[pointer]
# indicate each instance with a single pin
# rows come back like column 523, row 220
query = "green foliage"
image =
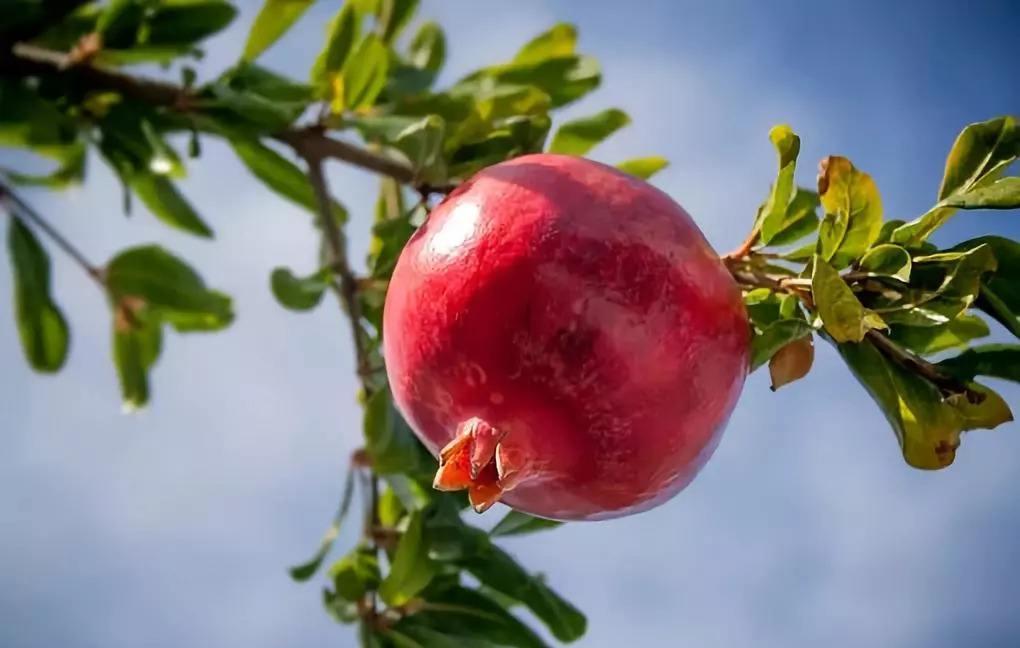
column 41, row 324
column 420, row 575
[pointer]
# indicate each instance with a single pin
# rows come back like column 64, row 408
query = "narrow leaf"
column 579, row 136
column 517, row 523
column 41, row 325
column 272, row 22
column 341, row 35
column 787, row 145
column 411, row 569
column 364, row 73
column 307, row 569
column 645, row 167
column 166, row 203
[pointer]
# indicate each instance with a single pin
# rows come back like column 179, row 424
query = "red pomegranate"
column 563, row 338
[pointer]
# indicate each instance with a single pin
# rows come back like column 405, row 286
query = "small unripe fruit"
column 562, row 336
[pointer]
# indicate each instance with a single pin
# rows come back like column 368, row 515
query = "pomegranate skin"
column 581, row 313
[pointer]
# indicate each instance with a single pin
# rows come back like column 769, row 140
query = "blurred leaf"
column 41, row 325
column 389, row 441
column 188, row 21
column 393, row 16
column 927, row 427
column 281, row 175
column 645, row 167
column 71, row 170
column 993, row 360
column 763, row 307
column 558, row 41
column 775, row 337
column 1001, row 194
column 564, row 79
column 791, row 362
column 988, row 414
column 428, row 48
column 364, row 75
column 30, row 121
column 388, row 240
column 341, row 34
column 137, row 343
column 842, row 314
column 517, row 523
column 773, row 215
column 356, row 574
column 419, row 140
column 579, row 136
column 164, row 160
column 800, row 219
column 925, row 340
column 980, row 155
column 512, row 137
column 887, row 260
column 272, row 22
column 167, row 204
column 120, row 21
column 496, row 569
column 853, row 211
column 411, row 568
column 307, row 569
column 298, row 293
column 168, row 286
column 464, row 617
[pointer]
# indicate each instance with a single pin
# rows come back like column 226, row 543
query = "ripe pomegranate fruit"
column 563, row 338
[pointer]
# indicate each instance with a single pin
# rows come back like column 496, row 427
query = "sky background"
column 174, row 527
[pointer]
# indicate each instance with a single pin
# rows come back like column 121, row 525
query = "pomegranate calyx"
column 476, row 460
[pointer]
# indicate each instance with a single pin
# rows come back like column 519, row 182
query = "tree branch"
column 31, row 60
column 21, row 210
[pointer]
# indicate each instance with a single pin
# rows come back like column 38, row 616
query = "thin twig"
column 947, row 384
column 24, row 212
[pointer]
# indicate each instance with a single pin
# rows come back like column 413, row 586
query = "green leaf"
column 388, row 240
column 853, row 211
column 298, row 293
column 497, row 570
column 993, row 360
column 164, row 160
column 136, row 347
column 800, row 219
column 71, row 169
column 517, row 523
column 178, row 22
column 252, row 100
column 393, row 16
column 925, row 340
column 773, row 216
column 167, row 204
column 563, row 79
column 168, row 286
column 842, row 314
column 364, row 75
column 1001, row 194
column 272, row 22
column 390, row 442
column 645, row 167
column 341, row 34
column 774, row 337
column 41, row 325
column 411, row 568
column 887, row 260
column 559, row 41
column 980, row 155
column 465, row 617
column 418, row 140
column 579, row 136
column 307, row 569
column 927, row 428
column 281, row 175
column 356, row 574
column 120, row 21
column 428, row 48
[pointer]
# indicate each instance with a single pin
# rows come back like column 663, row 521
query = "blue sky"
column 173, row 527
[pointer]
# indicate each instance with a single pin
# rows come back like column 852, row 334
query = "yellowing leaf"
column 792, row 362
column 853, row 211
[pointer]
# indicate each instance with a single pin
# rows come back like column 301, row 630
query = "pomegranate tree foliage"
column 819, row 262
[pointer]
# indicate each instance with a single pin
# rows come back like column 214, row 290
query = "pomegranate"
column 563, row 338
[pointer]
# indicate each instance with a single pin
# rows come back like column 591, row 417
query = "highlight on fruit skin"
column 563, row 338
